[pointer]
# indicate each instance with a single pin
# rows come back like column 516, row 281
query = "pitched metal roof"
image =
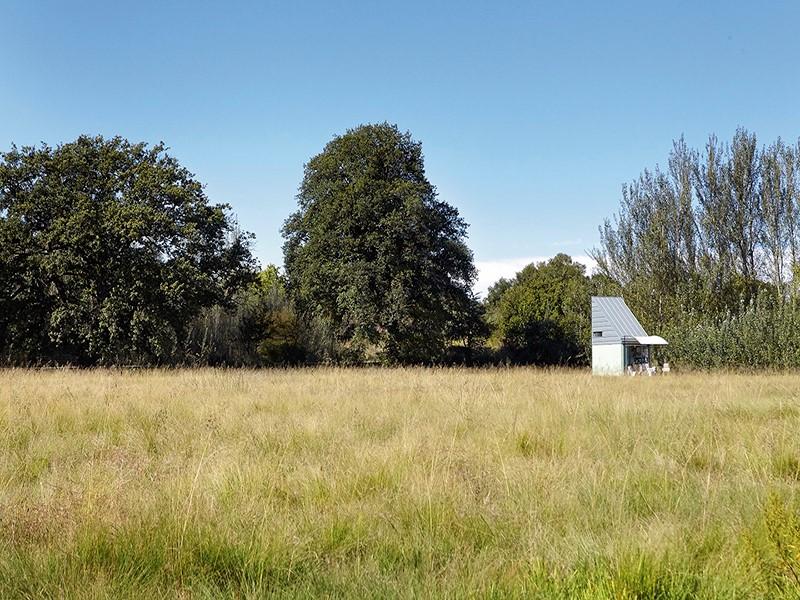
column 619, row 315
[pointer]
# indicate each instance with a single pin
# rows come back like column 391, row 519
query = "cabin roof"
column 611, row 314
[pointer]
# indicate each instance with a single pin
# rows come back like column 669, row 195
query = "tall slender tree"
column 707, row 236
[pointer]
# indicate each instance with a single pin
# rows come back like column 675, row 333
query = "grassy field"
column 381, row 483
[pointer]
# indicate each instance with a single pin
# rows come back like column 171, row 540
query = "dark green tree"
column 543, row 316
column 260, row 328
column 108, row 250
column 374, row 253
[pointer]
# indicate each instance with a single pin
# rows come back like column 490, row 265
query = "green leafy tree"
column 708, row 233
column 259, row 328
column 374, row 254
column 285, row 339
column 543, row 316
column 108, row 250
column 491, row 303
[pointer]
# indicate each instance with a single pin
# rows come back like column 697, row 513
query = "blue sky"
column 531, row 114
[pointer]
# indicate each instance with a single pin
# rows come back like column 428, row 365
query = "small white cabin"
column 619, row 342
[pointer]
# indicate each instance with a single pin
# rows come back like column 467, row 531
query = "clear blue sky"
column 531, row 114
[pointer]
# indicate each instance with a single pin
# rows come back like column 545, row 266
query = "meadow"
column 398, row 483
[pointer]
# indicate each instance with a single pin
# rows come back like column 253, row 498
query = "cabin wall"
column 608, row 359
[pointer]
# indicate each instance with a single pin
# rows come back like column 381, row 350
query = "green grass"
column 398, row 483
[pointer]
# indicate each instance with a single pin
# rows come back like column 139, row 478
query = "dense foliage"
column 375, row 255
column 542, row 316
column 760, row 335
column 706, row 252
column 261, row 327
column 107, row 251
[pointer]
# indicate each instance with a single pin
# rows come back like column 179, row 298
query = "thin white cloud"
column 567, row 243
column 490, row 271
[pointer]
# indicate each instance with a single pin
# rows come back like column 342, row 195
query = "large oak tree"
column 107, row 251
column 374, row 254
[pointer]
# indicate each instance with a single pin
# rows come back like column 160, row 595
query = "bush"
column 762, row 334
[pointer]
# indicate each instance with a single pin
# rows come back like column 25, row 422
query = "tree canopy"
column 374, row 253
column 108, row 250
column 542, row 316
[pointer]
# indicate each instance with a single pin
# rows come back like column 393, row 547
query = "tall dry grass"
column 406, row 482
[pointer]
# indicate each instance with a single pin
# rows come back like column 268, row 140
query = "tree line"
column 706, row 252
column 112, row 254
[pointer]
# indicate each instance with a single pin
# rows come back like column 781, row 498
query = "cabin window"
column 597, row 334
